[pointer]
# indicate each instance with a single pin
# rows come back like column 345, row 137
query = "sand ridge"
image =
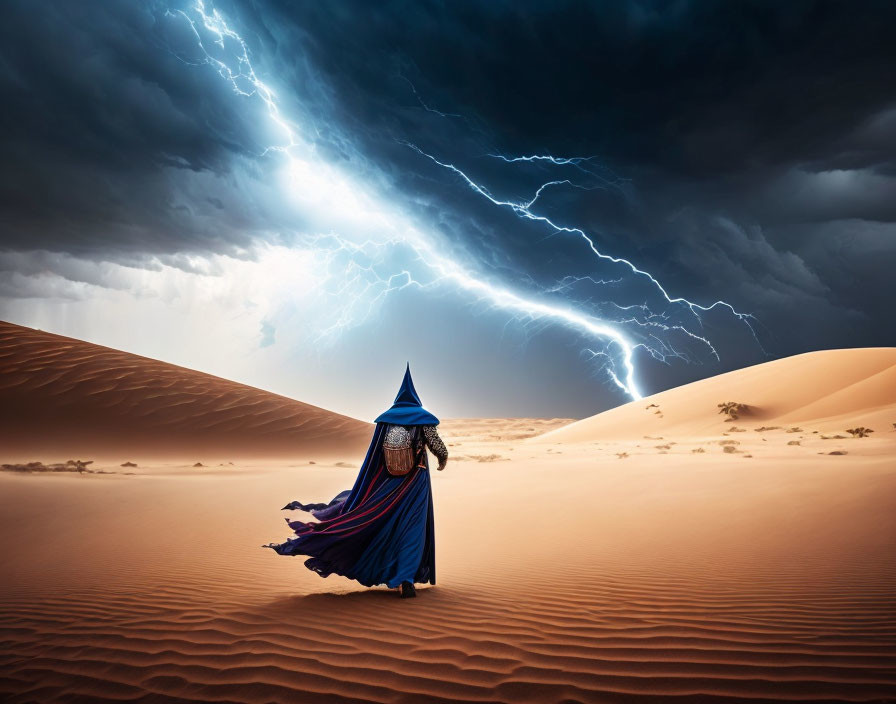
column 830, row 390
column 63, row 399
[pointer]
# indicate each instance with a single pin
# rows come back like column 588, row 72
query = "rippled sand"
column 582, row 565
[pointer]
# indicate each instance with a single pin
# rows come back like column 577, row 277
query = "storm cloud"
column 744, row 152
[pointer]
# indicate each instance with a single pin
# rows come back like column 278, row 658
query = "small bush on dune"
column 732, row 409
column 79, row 466
column 859, row 432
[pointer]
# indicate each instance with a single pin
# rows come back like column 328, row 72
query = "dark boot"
column 408, row 591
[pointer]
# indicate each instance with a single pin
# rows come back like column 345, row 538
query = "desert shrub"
column 732, row 409
column 859, row 432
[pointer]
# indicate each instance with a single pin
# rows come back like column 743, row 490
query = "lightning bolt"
column 523, row 210
column 445, row 269
column 585, row 164
column 362, row 270
column 425, row 106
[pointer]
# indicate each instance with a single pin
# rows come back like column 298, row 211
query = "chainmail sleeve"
column 435, row 444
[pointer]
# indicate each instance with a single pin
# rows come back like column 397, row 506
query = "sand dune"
column 565, row 574
column 62, row 398
column 829, row 390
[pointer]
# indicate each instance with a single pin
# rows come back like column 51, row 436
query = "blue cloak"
column 381, row 531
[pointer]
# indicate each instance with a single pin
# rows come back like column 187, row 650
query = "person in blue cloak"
column 381, row 531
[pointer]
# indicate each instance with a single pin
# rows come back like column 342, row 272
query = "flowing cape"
column 381, row 531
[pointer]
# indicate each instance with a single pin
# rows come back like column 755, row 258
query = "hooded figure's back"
column 410, row 429
column 382, row 530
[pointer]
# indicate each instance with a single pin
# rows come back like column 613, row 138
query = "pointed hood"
column 407, row 408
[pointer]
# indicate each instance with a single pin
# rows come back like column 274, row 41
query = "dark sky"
column 743, row 152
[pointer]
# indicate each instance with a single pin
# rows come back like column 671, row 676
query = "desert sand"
column 831, row 390
column 62, row 396
column 576, row 562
